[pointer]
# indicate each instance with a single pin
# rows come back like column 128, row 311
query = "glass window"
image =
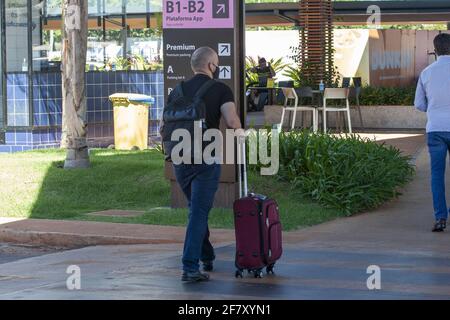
column 115, row 37
column 105, row 45
column 2, row 112
column 137, row 6
column 156, row 6
column 16, row 35
column 113, row 6
column 145, row 46
column 140, row 6
column 94, row 6
column 53, row 7
column 94, row 56
column 46, row 40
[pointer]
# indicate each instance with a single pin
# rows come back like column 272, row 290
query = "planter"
column 374, row 117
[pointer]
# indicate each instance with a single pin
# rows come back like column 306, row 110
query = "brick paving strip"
column 117, row 213
column 74, row 234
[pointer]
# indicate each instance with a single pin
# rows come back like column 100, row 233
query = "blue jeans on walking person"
column 199, row 183
column 439, row 146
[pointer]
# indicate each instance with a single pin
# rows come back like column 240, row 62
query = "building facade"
column 124, row 55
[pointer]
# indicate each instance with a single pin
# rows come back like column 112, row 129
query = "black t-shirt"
column 214, row 98
column 264, row 71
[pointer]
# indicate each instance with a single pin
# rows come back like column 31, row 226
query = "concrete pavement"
column 10, row 252
column 328, row 261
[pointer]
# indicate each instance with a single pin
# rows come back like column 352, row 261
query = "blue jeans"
column 199, row 184
column 263, row 96
column 439, row 146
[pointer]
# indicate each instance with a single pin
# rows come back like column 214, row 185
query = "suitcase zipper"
column 270, row 238
column 261, row 221
column 261, row 233
column 269, row 228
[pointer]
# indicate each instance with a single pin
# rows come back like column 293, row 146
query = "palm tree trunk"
column 74, row 128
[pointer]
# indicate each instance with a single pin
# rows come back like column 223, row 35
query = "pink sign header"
column 198, row 14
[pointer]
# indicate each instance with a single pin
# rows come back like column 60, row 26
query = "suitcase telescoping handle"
column 243, row 186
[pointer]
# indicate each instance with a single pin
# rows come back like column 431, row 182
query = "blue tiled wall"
column 47, row 96
column 100, row 85
column 47, row 105
column 22, row 140
column 37, row 136
column 47, row 99
column 17, row 99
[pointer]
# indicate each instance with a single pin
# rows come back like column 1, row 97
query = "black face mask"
column 216, row 73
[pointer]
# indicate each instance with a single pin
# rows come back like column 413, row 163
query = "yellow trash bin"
column 131, row 120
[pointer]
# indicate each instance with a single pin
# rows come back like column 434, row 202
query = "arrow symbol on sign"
column 221, row 8
column 224, row 49
column 225, row 71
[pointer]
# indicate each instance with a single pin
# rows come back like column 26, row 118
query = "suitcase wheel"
column 258, row 273
column 269, row 269
column 238, row 274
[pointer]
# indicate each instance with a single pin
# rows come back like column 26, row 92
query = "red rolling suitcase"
column 258, row 228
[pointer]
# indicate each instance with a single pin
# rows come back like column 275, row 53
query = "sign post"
column 187, row 26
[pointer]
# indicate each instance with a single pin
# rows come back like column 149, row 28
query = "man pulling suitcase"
column 257, row 226
column 199, row 99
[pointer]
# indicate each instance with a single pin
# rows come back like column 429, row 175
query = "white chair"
column 336, row 94
column 291, row 104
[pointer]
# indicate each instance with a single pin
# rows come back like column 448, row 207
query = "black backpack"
column 183, row 112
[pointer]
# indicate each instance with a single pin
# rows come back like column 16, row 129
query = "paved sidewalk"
column 409, row 143
column 402, row 225
column 10, row 252
column 328, row 261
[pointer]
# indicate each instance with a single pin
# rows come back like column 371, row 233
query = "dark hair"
column 262, row 60
column 442, row 44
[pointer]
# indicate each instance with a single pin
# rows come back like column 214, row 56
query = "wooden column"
column 316, row 40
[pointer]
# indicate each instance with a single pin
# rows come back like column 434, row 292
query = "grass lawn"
column 34, row 185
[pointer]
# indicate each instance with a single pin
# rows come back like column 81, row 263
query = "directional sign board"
column 225, row 72
column 198, row 14
column 224, row 49
column 191, row 24
column 219, row 24
column 221, row 9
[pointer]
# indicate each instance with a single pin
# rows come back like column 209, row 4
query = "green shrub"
column 348, row 173
column 383, row 96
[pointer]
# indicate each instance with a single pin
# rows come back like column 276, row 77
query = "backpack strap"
column 179, row 91
column 204, row 89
